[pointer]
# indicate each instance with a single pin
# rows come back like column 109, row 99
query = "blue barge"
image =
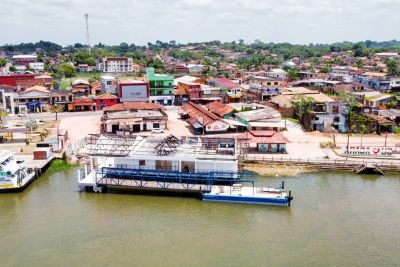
column 249, row 195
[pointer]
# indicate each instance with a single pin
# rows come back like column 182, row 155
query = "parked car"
column 158, row 130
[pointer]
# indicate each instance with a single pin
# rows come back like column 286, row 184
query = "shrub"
column 327, row 145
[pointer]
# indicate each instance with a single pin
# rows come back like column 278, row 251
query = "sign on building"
column 134, row 92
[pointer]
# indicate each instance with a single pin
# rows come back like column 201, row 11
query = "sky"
column 142, row 21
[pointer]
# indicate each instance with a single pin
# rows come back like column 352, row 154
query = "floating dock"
column 249, row 195
column 209, row 186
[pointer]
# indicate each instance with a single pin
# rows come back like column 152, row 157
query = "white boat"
column 14, row 176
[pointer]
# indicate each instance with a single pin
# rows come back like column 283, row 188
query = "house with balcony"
column 327, row 113
column 324, row 112
column 191, row 89
column 115, row 64
column 161, row 87
column 231, row 91
column 265, row 87
column 34, row 99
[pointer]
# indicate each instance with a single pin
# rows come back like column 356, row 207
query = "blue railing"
column 199, row 178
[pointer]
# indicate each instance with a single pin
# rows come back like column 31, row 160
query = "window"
column 122, row 166
column 156, row 125
column 142, row 162
column 109, row 82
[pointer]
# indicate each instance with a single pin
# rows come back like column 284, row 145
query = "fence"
column 333, row 162
column 74, row 147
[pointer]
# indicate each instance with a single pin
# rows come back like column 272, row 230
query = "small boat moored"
column 14, row 176
column 249, row 195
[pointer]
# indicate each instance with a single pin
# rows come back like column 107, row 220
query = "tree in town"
column 351, row 101
column 83, row 57
column 302, row 106
column 293, row 74
column 358, row 50
column 3, row 62
column 324, row 70
column 12, row 68
column 56, row 109
column 393, row 68
column 66, row 70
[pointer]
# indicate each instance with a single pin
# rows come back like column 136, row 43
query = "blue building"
column 374, row 80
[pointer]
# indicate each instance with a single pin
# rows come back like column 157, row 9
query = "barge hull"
column 247, row 200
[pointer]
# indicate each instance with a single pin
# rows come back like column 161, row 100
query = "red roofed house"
column 203, row 120
column 193, row 90
column 232, row 91
column 221, row 110
column 264, row 141
column 105, row 100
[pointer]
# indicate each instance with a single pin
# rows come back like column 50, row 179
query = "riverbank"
column 59, row 165
column 282, row 170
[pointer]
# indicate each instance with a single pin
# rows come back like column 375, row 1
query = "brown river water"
column 335, row 219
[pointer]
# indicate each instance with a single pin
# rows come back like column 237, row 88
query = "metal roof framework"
column 114, row 146
column 167, row 146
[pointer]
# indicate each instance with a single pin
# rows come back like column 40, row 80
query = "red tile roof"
column 134, row 106
column 37, row 88
column 263, row 137
column 197, row 112
column 219, row 108
column 106, row 96
column 226, row 83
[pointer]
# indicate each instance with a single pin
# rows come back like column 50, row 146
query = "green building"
column 161, row 87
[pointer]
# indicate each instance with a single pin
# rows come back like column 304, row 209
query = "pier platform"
column 210, row 186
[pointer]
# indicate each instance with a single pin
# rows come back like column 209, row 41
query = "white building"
column 277, row 73
column 109, row 84
column 8, row 99
column 36, row 66
column 115, row 64
column 191, row 154
column 195, row 68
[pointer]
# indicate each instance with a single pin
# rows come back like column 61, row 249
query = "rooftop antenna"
column 87, row 31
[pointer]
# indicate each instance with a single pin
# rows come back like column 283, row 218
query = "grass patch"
column 293, row 120
column 327, row 145
column 59, row 165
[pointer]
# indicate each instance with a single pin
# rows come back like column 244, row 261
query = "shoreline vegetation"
column 272, row 170
column 59, row 165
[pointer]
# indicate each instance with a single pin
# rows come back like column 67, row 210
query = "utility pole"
column 385, row 138
column 87, row 31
